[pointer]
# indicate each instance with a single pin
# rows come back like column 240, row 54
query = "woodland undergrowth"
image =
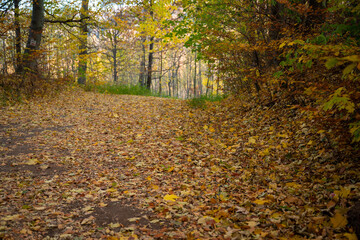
column 235, row 169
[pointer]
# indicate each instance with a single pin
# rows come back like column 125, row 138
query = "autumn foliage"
column 301, row 53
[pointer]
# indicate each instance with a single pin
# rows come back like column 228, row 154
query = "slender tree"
column 151, row 54
column 83, row 51
column 18, row 64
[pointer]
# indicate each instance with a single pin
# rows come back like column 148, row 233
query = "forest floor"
column 84, row 165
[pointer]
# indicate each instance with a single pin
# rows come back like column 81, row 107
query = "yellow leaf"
column 215, row 169
column 350, row 236
column 273, row 185
column 232, row 129
column 155, row 187
column 261, row 201
column 170, row 169
column 148, row 178
column 171, row 197
column 11, row 217
column 282, row 45
column 344, row 192
column 252, row 223
column 252, row 140
column 293, row 185
column 211, row 129
column 265, row 152
column 134, row 219
column 205, row 127
column 114, row 225
column 276, row 215
column 353, row 58
column 111, row 190
column 338, row 221
column 32, row 161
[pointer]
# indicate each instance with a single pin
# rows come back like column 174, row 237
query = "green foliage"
column 355, row 131
column 122, row 89
column 200, row 102
column 341, row 101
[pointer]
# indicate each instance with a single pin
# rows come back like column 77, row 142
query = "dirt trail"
column 95, row 166
column 73, row 165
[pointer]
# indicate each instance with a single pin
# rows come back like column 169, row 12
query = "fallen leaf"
column 32, row 161
column 88, row 220
column 339, row 220
column 261, row 201
column 11, row 217
column 134, row 219
column 171, row 197
column 115, row 225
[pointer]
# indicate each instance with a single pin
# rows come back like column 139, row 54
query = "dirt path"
column 72, row 166
column 91, row 166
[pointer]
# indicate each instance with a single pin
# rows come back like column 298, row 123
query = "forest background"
column 302, row 52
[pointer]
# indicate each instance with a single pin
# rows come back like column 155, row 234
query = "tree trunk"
column 200, row 79
column 4, row 69
column 18, row 64
column 161, row 66
column 151, row 56
column 83, row 42
column 142, row 63
column 31, row 52
column 114, row 58
column 195, row 76
column 151, row 47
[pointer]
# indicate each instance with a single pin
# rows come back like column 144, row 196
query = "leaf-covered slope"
column 105, row 166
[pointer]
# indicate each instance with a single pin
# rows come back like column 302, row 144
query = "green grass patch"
column 120, row 89
column 200, row 102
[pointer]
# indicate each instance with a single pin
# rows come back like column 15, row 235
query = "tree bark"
column 18, row 63
column 114, row 58
column 142, row 63
column 160, row 76
column 200, row 79
column 151, row 56
column 31, row 52
column 195, row 76
column 83, row 42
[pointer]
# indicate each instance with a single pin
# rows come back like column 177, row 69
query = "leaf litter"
column 132, row 167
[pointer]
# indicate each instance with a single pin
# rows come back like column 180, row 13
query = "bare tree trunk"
column 208, row 81
column 151, row 47
column 151, row 56
column 18, row 64
column 31, row 52
column 4, row 69
column 200, row 79
column 114, row 58
column 142, row 63
column 161, row 66
column 83, row 42
column 195, row 76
